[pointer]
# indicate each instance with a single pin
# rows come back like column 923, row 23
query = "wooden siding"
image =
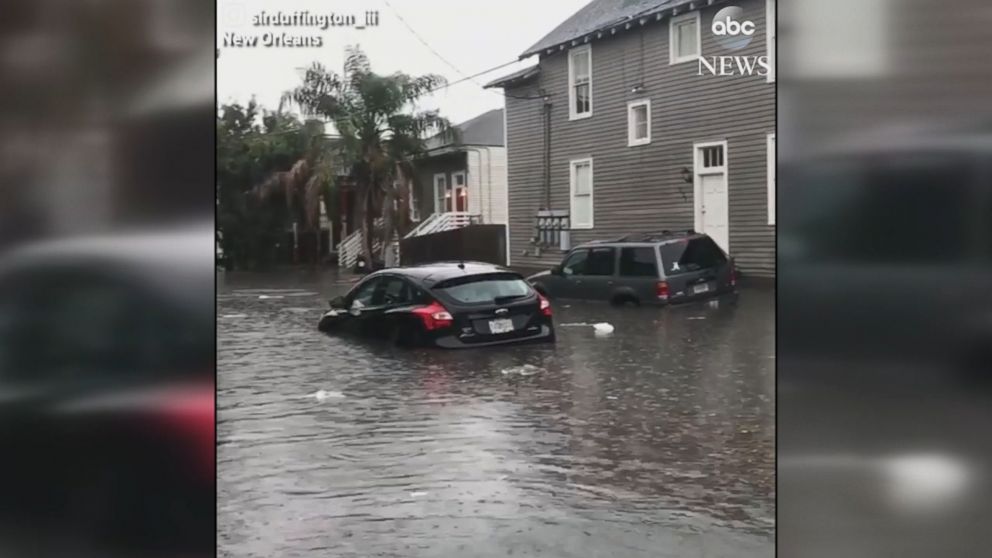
column 640, row 188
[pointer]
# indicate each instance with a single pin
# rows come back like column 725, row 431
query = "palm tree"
column 380, row 134
column 307, row 181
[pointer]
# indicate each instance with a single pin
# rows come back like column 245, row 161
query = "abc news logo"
column 733, row 31
column 732, row 27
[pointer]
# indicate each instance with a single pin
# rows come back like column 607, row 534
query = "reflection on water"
column 655, row 441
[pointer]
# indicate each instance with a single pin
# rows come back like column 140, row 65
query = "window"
column 826, row 43
column 601, row 261
column 581, row 193
column 575, row 263
column 638, row 262
column 363, row 294
column 711, row 157
column 487, row 288
column 580, row 82
column 771, row 179
column 684, row 39
column 638, row 122
column 394, row 291
column 442, row 194
column 771, row 34
column 684, row 256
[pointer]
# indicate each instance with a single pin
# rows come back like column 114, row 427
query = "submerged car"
column 448, row 305
column 651, row 269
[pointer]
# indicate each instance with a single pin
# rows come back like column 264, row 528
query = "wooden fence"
column 481, row 243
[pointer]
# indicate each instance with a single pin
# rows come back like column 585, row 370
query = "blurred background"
column 107, row 278
column 884, row 256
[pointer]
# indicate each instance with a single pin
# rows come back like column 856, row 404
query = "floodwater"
column 657, row 440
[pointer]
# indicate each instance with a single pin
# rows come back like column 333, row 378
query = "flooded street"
column 657, row 440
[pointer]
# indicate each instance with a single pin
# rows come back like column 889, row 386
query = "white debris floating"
column 603, row 328
column 525, row 370
column 323, row 395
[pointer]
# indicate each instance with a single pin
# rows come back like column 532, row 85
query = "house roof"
column 600, row 15
column 483, row 130
column 515, row 78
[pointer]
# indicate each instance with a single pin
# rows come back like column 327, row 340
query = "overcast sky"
column 473, row 35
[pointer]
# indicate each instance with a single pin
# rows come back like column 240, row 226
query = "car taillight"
column 545, row 305
column 434, row 316
column 190, row 414
column 661, row 289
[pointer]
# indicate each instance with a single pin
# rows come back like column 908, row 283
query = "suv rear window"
column 685, row 256
column 485, row 288
column 638, row 262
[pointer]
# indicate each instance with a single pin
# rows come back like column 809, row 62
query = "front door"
column 460, row 191
column 710, row 197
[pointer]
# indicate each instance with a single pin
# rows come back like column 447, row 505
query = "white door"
column 710, row 192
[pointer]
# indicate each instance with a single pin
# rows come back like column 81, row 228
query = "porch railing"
column 351, row 247
column 440, row 222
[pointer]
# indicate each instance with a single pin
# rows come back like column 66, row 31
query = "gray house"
column 466, row 176
column 641, row 116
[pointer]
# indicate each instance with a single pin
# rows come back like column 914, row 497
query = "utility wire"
column 452, row 66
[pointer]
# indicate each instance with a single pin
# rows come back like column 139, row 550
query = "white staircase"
column 439, row 222
column 351, row 247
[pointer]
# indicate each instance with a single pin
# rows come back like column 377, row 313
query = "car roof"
column 178, row 260
column 644, row 239
column 442, row 271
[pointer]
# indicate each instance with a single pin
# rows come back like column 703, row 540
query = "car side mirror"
column 556, row 270
column 337, row 302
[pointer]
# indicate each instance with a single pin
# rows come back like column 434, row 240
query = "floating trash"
column 603, row 328
column 525, row 370
column 323, row 395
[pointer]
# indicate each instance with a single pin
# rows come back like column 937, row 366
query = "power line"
column 452, row 66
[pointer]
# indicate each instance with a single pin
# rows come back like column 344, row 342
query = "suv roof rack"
column 653, row 236
column 645, row 237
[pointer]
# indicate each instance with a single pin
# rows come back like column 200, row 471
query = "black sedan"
column 449, row 305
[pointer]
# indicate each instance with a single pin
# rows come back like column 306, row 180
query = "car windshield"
column 485, row 288
column 690, row 255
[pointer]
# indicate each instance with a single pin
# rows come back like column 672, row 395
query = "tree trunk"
column 368, row 225
column 403, row 224
column 387, row 221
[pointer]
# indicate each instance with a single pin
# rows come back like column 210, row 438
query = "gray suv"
column 657, row 268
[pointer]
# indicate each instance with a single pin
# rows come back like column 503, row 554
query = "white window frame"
column 631, row 128
column 571, row 193
column 672, row 23
column 572, row 115
column 772, row 177
column 771, row 34
column 439, row 192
